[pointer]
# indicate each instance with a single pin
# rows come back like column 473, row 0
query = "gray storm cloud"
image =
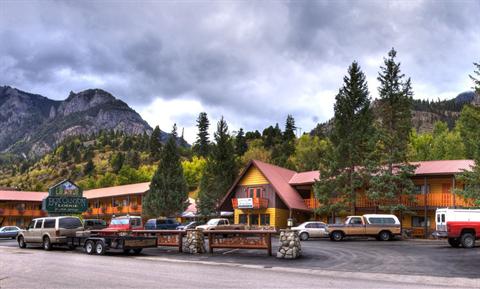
column 254, row 62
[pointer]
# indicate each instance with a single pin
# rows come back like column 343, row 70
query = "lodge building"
column 264, row 194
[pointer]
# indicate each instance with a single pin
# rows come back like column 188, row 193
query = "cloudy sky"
column 253, row 62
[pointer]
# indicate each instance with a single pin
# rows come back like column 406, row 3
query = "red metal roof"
column 446, row 167
column 304, row 178
column 117, row 191
column 22, row 196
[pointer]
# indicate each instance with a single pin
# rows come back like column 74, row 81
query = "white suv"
column 48, row 231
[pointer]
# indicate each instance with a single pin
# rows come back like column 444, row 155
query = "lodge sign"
column 65, row 198
column 245, row 203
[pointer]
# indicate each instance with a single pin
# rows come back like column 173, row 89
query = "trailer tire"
column 467, row 240
column 137, row 251
column 454, row 242
column 100, row 247
column 89, row 247
column 126, row 251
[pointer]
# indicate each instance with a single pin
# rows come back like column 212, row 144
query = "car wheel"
column 100, row 248
column 336, row 236
column 468, row 240
column 454, row 242
column 89, row 247
column 47, row 244
column 304, row 236
column 384, row 236
column 137, row 251
column 21, row 243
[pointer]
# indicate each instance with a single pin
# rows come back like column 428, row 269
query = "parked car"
column 49, row 231
column 381, row 226
column 190, row 225
column 125, row 223
column 94, row 224
column 311, row 230
column 9, row 232
column 161, row 224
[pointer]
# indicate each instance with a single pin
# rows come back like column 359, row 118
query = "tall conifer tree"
column 240, row 143
column 390, row 181
column 220, row 171
column 155, row 144
column 202, row 145
column 168, row 193
column 351, row 135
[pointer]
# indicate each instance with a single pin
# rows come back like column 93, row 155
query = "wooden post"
column 453, row 192
column 425, row 190
column 210, row 248
column 180, row 239
column 269, row 243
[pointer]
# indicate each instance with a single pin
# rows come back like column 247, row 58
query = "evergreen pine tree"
column 351, row 135
column 390, row 172
column 202, row 145
column 168, row 193
column 240, row 143
column 220, row 171
column 155, row 144
column 89, row 167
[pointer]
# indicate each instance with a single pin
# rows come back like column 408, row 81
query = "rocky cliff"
column 33, row 124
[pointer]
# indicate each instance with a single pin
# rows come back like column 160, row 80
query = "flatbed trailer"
column 99, row 242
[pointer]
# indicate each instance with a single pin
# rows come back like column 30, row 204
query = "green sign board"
column 66, row 198
column 70, row 205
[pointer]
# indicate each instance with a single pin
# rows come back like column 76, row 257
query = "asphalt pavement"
column 351, row 263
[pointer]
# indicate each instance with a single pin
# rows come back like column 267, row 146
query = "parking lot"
column 407, row 257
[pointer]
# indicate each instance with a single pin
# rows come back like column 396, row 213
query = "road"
column 350, row 264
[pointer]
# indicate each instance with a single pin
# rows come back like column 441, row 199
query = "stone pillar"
column 195, row 243
column 290, row 247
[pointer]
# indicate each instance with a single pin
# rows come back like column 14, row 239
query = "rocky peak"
column 85, row 100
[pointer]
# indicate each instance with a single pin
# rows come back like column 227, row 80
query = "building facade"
column 265, row 194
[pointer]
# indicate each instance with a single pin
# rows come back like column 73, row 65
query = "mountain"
column 32, row 124
column 424, row 113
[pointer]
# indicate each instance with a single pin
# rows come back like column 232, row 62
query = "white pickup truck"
column 219, row 224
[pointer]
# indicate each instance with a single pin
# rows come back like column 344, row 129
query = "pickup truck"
column 460, row 226
column 382, row 227
column 219, row 224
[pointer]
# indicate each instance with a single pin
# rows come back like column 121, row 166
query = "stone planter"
column 290, row 247
column 194, row 243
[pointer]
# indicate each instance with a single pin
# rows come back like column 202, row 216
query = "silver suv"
column 49, row 231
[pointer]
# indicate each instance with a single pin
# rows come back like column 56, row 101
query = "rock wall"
column 290, row 247
column 195, row 242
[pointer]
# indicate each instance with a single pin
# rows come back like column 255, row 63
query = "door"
column 37, row 231
column 441, row 222
column 356, row 226
column 28, row 231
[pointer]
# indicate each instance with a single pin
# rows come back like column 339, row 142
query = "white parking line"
column 229, row 251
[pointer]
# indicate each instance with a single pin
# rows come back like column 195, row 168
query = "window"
column 356, row 221
column 310, row 226
column 419, row 221
column 49, row 224
column 253, row 219
column 69, row 223
column 376, row 220
column 443, row 218
column 419, row 189
column 320, row 225
column 257, row 193
column 265, row 219
column 242, row 219
column 39, row 223
column 31, row 225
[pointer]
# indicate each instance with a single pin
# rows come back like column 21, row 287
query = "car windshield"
column 120, row 222
column 213, row 222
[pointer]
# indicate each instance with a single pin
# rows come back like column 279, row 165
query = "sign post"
column 65, row 198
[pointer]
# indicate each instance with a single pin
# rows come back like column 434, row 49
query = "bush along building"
column 265, row 194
